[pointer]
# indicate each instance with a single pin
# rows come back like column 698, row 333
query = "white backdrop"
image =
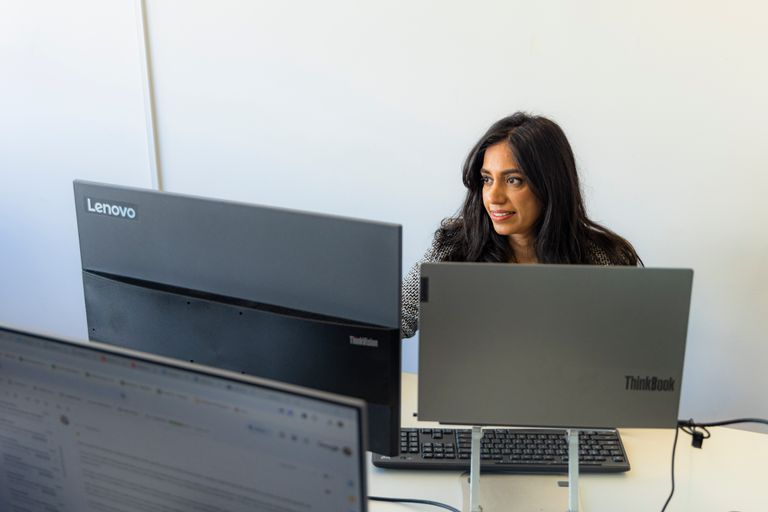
column 368, row 109
column 70, row 107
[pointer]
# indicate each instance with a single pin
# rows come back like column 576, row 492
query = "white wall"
column 71, row 106
column 368, row 109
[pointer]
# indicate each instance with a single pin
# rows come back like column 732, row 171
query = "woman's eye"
column 485, row 180
column 512, row 180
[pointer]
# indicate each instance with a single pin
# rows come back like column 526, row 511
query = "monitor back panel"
column 89, row 428
column 550, row 345
column 303, row 351
column 299, row 297
column 302, row 261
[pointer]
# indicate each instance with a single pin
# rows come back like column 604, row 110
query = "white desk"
column 728, row 474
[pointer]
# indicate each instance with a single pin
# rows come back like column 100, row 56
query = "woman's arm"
column 409, row 305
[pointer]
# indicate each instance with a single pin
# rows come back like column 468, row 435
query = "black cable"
column 700, row 432
column 674, row 446
column 691, row 427
column 691, row 423
column 411, row 500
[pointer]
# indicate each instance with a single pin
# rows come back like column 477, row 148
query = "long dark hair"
column 564, row 233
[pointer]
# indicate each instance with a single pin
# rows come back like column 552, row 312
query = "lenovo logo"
column 111, row 209
column 638, row 383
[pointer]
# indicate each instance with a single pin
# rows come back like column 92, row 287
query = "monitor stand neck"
column 572, row 440
column 474, row 471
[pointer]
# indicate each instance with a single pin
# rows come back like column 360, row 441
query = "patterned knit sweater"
column 409, row 319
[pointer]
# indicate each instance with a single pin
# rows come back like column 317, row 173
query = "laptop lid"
column 552, row 345
column 91, row 427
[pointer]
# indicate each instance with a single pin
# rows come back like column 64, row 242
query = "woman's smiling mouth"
column 501, row 215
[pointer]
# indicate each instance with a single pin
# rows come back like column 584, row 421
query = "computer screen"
column 304, row 298
column 552, row 345
column 89, row 427
column 86, row 427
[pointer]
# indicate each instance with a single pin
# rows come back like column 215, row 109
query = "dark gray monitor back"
column 552, row 345
column 303, row 298
column 322, row 264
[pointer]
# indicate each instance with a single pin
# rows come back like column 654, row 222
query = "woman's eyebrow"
column 505, row 172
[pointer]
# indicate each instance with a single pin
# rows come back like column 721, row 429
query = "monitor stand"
column 539, row 493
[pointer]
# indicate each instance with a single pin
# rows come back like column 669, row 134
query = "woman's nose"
column 496, row 193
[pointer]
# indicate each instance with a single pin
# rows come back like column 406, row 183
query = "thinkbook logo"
column 363, row 342
column 111, row 208
column 638, row 383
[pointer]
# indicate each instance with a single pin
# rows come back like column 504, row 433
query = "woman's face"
column 508, row 200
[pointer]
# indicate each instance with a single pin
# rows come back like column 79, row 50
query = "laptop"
column 88, row 427
column 552, row 345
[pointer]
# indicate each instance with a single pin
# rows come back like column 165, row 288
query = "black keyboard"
column 507, row 450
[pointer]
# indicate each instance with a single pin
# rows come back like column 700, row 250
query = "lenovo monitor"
column 304, row 298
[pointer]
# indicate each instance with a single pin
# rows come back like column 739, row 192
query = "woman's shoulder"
column 446, row 241
column 597, row 255
column 440, row 249
column 600, row 255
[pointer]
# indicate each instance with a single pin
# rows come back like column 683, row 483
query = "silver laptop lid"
column 90, row 427
column 552, row 345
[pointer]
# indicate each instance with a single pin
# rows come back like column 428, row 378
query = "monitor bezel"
column 355, row 404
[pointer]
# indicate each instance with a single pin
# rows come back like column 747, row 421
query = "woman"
column 523, row 205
